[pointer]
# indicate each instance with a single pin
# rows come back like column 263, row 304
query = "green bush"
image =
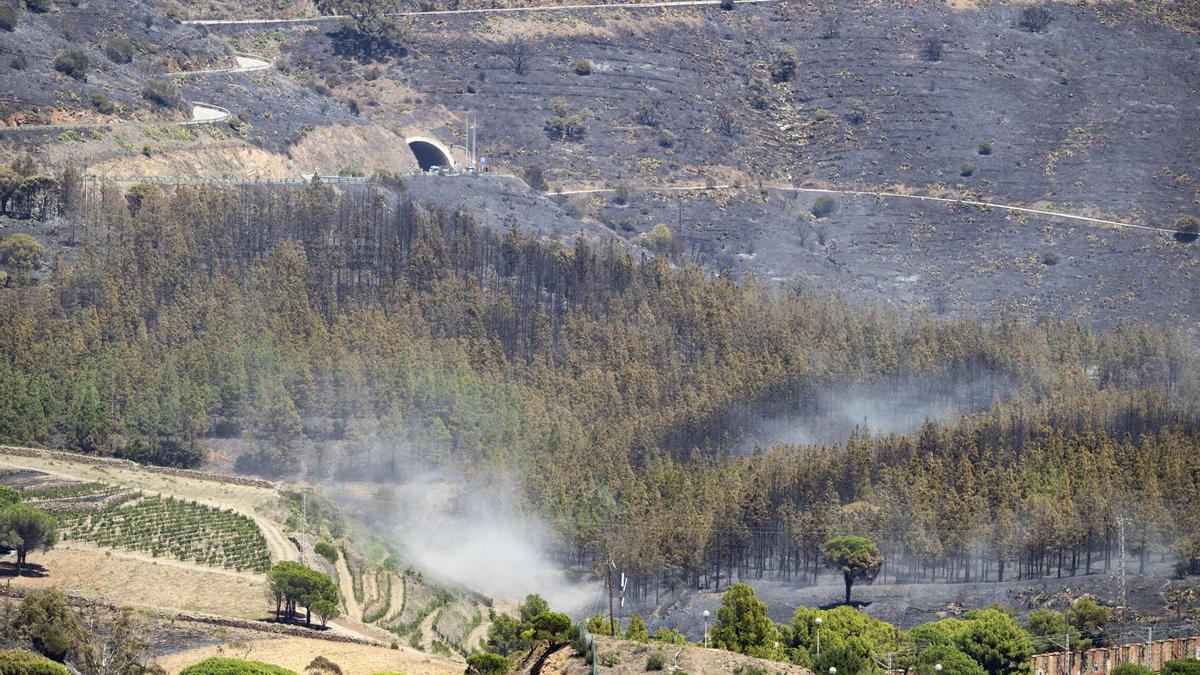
column 985, row 148
column 20, row 662
column 487, row 664
column 39, row 6
column 118, row 50
column 326, row 551
column 72, row 64
column 583, row 67
column 610, row 659
column 666, row 139
column 656, row 661
column 566, row 125
column 783, row 63
column 161, row 93
column 823, row 206
column 1181, row 667
column 8, row 18
column 225, row 666
column 1131, row 669
column 102, row 103
column 967, row 170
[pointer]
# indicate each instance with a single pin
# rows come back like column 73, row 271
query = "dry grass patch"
column 134, row 581
column 296, row 653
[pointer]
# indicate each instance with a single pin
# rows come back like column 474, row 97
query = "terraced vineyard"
column 68, row 490
column 164, row 526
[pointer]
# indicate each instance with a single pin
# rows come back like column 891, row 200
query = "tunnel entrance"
column 430, row 153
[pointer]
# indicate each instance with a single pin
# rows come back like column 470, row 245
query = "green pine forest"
column 359, row 334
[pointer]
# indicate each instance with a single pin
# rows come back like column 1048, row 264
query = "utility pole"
column 1121, row 563
column 1068, row 643
column 1150, row 648
column 612, row 621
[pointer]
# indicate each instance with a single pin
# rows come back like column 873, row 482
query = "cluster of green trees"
column 509, row 637
column 291, row 585
column 984, row 641
column 360, row 333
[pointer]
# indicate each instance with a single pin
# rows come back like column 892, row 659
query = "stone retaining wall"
column 128, row 464
column 84, row 601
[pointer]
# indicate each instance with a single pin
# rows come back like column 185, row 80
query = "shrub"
column 21, row 662
column 1049, row 258
column 566, row 125
column 751, row 670
column 759, row 91
column 985, row 148
column 18, row 62
column 322, row 666
column 647, row 113
column 1188, row 224
column 487, row 664
column 726, row 5
column 823, row 206
column 372, row 74
column 931, row 49
column 8, row 18
column 1181, row 667
column 102, row 104
column 621, row 194
column 535, row 177
column 1035, row 19
column 656, row 661
column 856, row 117
column 118, row 50
column 783, row 63
column 225, row 666
column 39, row 6
column 666, row 139
column 326, row 551
column 161, row 92
column 583, row 67
column 967, row 170
column 72, row 64
column 46, row 621
column 1131, row 669
column 6, row 112
column 147, row 150
column 610, row 659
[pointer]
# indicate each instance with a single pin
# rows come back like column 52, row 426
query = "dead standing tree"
column 519, row 55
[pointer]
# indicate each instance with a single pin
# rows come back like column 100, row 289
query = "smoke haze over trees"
column 361, row 334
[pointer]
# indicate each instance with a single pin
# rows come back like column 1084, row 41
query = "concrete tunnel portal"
column 430, row 153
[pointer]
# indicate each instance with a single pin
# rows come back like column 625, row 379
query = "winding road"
column 202, row 113
column 887, row 195
column 496, row 10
